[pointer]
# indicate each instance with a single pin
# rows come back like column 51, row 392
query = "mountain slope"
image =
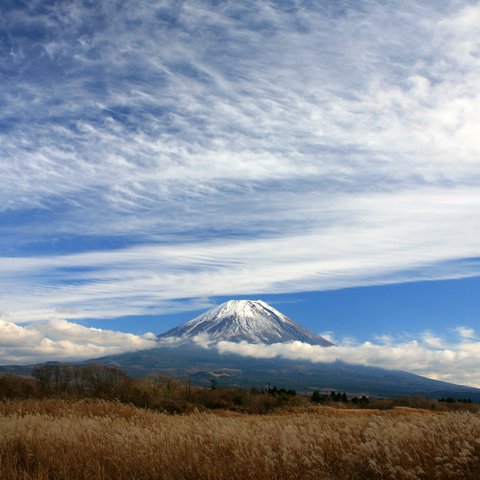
column 201, row 365
column 252, row 321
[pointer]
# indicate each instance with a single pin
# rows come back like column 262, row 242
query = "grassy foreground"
column 92, row 439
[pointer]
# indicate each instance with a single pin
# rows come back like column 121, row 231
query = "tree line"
column 318, row 397
column 173, row 395
column 157, row 392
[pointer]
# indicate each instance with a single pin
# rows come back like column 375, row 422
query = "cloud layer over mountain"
column 431, row 356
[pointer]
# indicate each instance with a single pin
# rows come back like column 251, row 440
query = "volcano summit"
column 252, row 321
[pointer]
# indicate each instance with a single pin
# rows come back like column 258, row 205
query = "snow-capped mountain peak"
column 251, row 320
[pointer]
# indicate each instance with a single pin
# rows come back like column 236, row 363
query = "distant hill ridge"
column 253, row 321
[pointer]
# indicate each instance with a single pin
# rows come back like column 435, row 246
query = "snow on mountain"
column 251, row 320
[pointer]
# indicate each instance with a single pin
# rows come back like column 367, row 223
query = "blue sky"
column 159, row 157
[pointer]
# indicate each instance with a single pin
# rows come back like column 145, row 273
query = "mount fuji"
column 179, row 354
column 252, row 321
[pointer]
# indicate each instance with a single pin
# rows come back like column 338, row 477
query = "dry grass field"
column 91, row 439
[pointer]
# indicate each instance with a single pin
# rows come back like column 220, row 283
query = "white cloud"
column 57, row 339
column 466, row 333
column 408, row 236
column 188, row 123
column 455, row 361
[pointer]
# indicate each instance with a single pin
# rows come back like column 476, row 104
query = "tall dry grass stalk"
column 55, row 439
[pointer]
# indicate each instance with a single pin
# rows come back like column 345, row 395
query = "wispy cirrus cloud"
column 397, row 241
column 191, row 105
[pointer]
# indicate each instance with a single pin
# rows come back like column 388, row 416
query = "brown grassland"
column 99, row 439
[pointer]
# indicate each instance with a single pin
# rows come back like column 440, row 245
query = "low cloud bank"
column 58, row 339
column 431, row 356
column 454, row 360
